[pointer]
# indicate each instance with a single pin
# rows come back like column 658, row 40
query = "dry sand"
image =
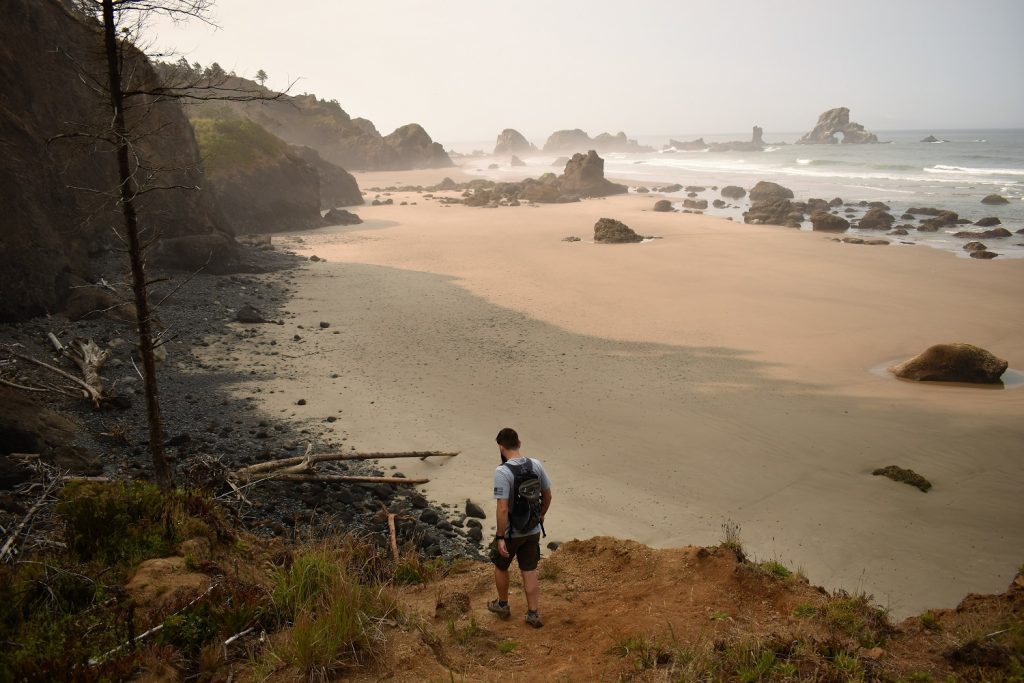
column 722, row 372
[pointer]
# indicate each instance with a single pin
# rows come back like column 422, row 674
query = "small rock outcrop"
column 930, row 138
column 662, row 205
column 905, row 476
column 511, row 141
column 876, row 219
column 734, row 192
column 987, row 222
column 995, row 199
column 984, row 234
column 611, row 231
column 766, row 190
column 828, row 222
column 584, row 177
column 341, row 217
column 833, row 122
column 956, row 362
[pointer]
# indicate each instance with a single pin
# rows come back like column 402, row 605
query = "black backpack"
column 525, row 505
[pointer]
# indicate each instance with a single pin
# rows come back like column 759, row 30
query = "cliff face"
column 352, row 143
column 338, row 187
column 47, row 57
column 260, row 185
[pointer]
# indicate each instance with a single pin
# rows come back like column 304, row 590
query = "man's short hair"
column 507, row 438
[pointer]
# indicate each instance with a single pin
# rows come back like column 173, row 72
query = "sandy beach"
column 723, row 372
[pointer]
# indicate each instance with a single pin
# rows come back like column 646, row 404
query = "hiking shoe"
column 502, row 612
column 533, row 619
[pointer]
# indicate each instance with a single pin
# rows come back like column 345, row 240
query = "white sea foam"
column 967, row 170
column 804, row 162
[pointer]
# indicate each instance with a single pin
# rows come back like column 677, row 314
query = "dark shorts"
column 526, row 551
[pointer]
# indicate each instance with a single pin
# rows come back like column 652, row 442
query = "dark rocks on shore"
column 876, row 219
column 924, row 211
column 584, row 177
column 957, row 362
column 827, row 222
column 475, row 511
column 642, row 190
column 984, row 234
column 835, row 201
column 833, row 122
column 249, row 314
column 862, row 240
column 695, row 203
column 341, row 217
column 988, row 222
column 898, row 231
column 611, row 231
column 942, row 219
column 734, row 192
column 766, row 190
column 718, row 204
column 905, row 476
column 995, row 199
column 663, row 205
column 984, row 254
column 974, row 246
column 674, row 187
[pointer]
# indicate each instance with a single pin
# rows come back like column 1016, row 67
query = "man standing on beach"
column 522, row 545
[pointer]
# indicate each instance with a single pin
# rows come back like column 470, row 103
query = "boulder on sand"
column 955, row 362
column 734, row 192
column 825, row 221
column 611, row 231
column 984, row 234
column 341, row 217
column 663, row 205
column 766, row 190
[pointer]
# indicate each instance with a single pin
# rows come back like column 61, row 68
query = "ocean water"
column 953, row 174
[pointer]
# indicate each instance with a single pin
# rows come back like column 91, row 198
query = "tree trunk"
column 161, row 466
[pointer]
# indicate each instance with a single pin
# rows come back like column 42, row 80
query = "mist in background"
column 465, row 70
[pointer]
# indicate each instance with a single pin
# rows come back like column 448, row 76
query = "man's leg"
column 501, row 583
column 531, row 584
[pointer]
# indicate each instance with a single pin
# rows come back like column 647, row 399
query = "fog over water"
column 465, row 70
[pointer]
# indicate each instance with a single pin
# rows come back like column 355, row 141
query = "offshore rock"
column 827, row 222
column 837, row 121
column 584, row 177
column 511, row 141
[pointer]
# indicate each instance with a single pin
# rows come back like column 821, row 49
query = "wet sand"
column 722, row 372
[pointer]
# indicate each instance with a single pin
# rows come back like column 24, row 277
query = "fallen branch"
column 156, row 629
column 391, row 531
column 400, row 481
column 310, row 460
column 87, row 391
column 8, row 547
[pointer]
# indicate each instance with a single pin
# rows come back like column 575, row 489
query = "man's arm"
column 501, row 517
column 545, row 503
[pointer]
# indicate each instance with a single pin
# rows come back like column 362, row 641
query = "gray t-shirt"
column 504, row 481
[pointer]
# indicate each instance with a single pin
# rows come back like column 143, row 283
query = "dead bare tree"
column 121, row 24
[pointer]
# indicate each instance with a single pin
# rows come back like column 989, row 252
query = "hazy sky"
column 466, row 69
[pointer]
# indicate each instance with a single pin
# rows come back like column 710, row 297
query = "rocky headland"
column 576, row 140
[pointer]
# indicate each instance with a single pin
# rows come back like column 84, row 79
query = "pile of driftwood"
column 86, row 355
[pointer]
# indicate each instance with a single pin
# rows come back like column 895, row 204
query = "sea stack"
column 837, row 121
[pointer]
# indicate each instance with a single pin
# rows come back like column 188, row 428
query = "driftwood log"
column 303, row 469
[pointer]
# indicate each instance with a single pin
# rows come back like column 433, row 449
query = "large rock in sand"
column 584, row 177
column 876, row 219
column 735, row 192
column 611, row 231
column 956, row 362
column 995, row 199
column 663, row 205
